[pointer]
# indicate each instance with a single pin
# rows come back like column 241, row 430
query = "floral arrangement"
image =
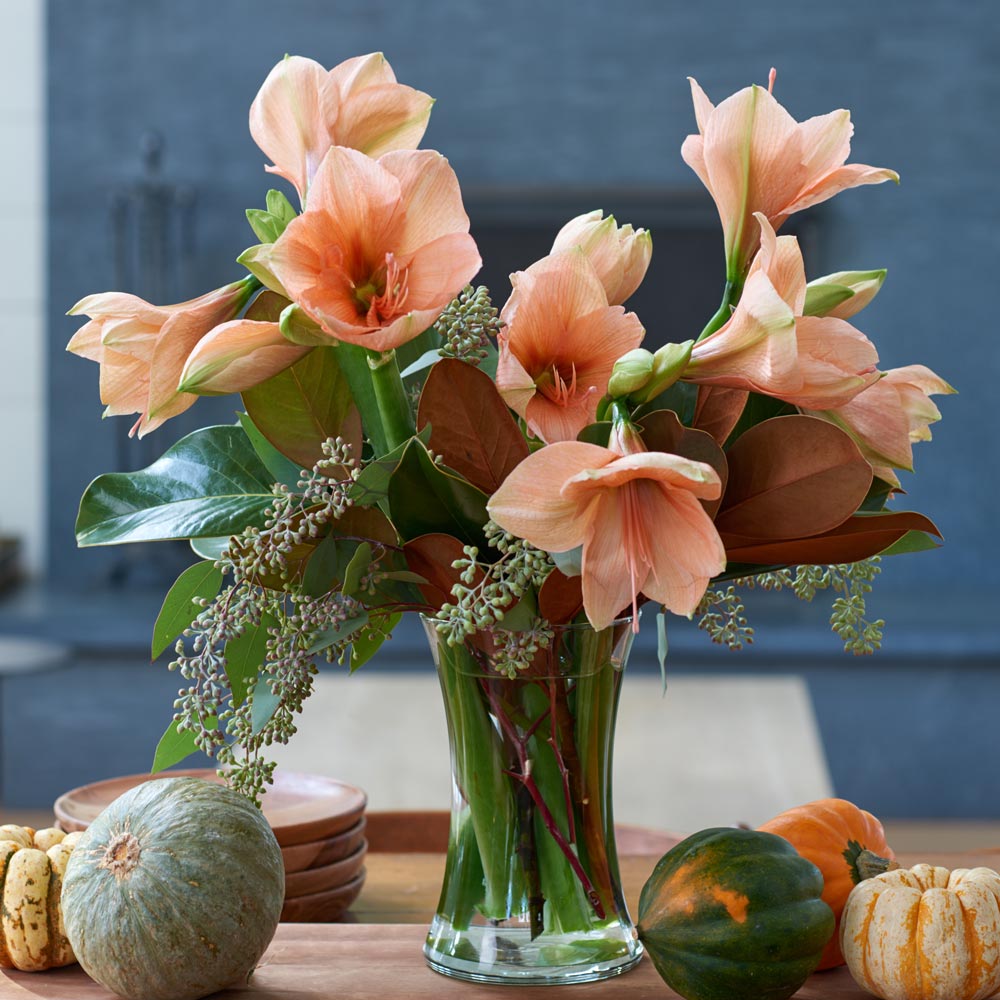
column 405, row 447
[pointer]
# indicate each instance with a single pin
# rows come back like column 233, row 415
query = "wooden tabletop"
column 377, row 953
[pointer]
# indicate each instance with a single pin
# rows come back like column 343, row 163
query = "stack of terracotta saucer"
column 319, row 824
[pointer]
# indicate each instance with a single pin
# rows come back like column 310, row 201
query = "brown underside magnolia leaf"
column 718, row 409
column 299, row 408
column 560, row 598
column 431, row 556
column 790, row 477
column 471, row 427
column 662, row 430
column 859, row 537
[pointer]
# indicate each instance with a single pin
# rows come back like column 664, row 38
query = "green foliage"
column 184, row 600
column 176, row 744
column 210, row 483
column 244, row 656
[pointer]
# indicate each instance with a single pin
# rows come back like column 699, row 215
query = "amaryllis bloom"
column 889, row 417
column 382, row 247
column 637, row 516
column 753, row 156
column 243, row 353
column 302, row 110
column 768, row 346
column 559, row 344
column 142, row 348
column 620, row 255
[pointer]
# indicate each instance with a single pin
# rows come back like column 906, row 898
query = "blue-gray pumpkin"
column 174, row 891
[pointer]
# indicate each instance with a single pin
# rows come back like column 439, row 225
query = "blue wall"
column 576, row 94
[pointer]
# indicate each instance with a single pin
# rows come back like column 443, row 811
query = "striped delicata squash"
column 32, row 863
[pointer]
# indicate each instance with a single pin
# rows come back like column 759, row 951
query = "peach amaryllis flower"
column 753, row 156
column 382, row 247
column 638, row 517
column 620, row 254
column 242, row 353
column 559, row 344
column 768, row 346
column 889, row 417
column 302, row 110
column 142, row 348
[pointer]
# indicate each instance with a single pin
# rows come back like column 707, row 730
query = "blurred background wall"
column 544, row 109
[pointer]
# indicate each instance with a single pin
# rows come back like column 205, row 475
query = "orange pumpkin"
column 838, row 838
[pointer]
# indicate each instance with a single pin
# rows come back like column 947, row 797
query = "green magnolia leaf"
column 569, row 563
column 323, row 568
column 210, row 548
column 412, row 350
column 912, row 541
column 425, row 360
column 174, row 746
column 599, row 433
column 369, row 641
column 245, row 655
column 299, row 408
column 661, row 645
column 681, row 397
column 372, row 486
column 284, row 470
column 209, row 483
column 357, row 568
column 522, row 616
column 202, row 580
column 265, row 703
column 425, row 498
column 757, row 409
column 342, row 631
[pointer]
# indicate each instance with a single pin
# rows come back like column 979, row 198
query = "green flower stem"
column 463, row 879
column 390, row 395
column 479, row 769
column 730, row 297
column 596, row 696
column 353, row 361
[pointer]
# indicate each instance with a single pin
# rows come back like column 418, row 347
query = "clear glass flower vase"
column 532, row 892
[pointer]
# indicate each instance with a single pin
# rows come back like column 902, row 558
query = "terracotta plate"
column 318, row 853
column 328, row 877
column 300, row 807
column 322, row 907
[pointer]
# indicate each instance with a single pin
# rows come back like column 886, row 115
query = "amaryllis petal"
column 378, row 119
column 836, row 361
column 288, row 120
column 236, row 356
column 529, row 503
column 781, row 260
column 359, row 72
column 608, row 586
column 755, row 158
column 681, row 570
column 697, row 478
column 86, row 342
column 515, row 385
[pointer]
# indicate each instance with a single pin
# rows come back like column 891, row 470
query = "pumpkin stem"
column 121, row 855
column 868, row 864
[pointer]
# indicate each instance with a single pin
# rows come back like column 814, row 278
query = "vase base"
column 508, row 956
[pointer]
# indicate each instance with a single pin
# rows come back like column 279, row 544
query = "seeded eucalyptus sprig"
column 468, row 325
column 249, row 655
column 723, row 613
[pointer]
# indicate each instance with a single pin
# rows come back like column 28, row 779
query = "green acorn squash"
column 734, row 915
column 174, row 891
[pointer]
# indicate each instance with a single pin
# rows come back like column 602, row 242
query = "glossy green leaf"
column 202, row 580
column 299, row 408
column 425, row 499
column 756, row 410
column 569, row 563
column 372, row 486
column 912, row 541
column 209, row 483
column 369, row 640
column 599, row 433
column 264, row 704
column 681, row 397
column 522, row 616
column 210, row 548
column 357, row 568
column 323, row 568
column 422, row 363
column 245, row 655
column 284, row 470
column 174, row 746
column 339, row 632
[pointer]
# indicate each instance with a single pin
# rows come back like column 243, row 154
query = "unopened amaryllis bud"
column 669, row 363
column 631, row 372
column 843, row 293
column 620, row 254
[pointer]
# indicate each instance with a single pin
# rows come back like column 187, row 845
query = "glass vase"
column 532, row 892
